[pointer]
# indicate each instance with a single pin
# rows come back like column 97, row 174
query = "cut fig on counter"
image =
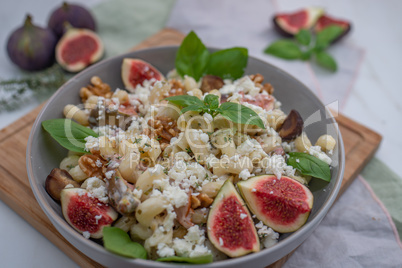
column 31, row 47
column 135, row 71
column 78, row 48
column 76, row 15
column 282, row 204
column 57, row 180
column 292, row 126
column 230, row 227
column 289, row 24
column 86, row 213
column 324, row 21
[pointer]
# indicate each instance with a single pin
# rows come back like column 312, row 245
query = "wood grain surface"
column 360, row 145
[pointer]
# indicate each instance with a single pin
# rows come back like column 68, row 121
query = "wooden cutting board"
column 360, row 145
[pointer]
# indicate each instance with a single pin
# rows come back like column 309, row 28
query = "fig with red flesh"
column 289, row 24
column 135, row 71
column 31, row 47
column 78, row 48
column 282, row 204
column 86, row 213
column 75, row 15
column 325, row 21
column 230, row 227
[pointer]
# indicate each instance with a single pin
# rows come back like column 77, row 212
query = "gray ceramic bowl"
column 44, row 154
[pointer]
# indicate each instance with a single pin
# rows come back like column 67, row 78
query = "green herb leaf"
column 117, row 241
column 240, row 114
column 304, row 37
column 193, row 107
column 211, row 101
column 325, row 60
column 309, row 165
column 68, row 134
column 228, row 63
column 192, row 57
column 285, row 49
column 195, row 260
column 185, row 100
column 327, row 35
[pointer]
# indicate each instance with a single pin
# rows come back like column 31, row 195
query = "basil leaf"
column 194, row 260
column 284, row 49
column 304, row 37
column 325, row 60
column 327, row 35
column 192, row 57
column 193, row 107
column 309, row 165
column 212, row 101
column 228, row 63
column 68, row 134
column 240, row 114
column 117, row 241
column 185, row 100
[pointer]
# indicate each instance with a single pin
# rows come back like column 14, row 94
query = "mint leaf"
column 304, row 37
column 240, row 114
column 185, row 100
column 309, row 165
column 192, row 57
column 327, row 35
column 117, row 241
column 284, row 49
column 68, row 134
column 195, row 260
column 325, row 60
column 211, row 101
column 228, row 63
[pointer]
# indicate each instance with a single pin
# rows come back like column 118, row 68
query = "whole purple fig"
column 76, row 15
column 31, row 47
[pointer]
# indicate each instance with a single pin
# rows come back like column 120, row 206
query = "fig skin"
column 76, row 15
column 57, row 180
column 31, row 47
column 292, row 126
column 210, row 82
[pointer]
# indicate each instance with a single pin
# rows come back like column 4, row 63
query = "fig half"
column 135, row 71
column 282, row 204
column 292, row 126
column 289, row 24
column 86, row 213
column 325, row 21
column 230, row 227
column 78, row 48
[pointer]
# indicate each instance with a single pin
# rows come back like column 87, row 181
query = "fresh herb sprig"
column 234, row 112
column 306, row 46
column 194, row 59
column 309, row 165
column 15, row 92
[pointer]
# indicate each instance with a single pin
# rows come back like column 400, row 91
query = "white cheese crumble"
column 244, row 174
column 316, row 151
column 254, row 190
column 220, row 241
column 164, row 250
column 86, row 234
column 243, row 216
column 98, row 163
column 192, row 245
column 97, row 218
column 91, row 143
column 268, row 236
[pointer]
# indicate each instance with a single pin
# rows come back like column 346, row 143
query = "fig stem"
column 66, row 6
column 28, row 20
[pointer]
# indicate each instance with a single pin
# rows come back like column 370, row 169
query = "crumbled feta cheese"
column 244, row 174
column 297, row 160
column 97, row 218
column 91, row 143
column 86, row 235
column 254, row 190
column 268, row 236
column 164, row 250
column 220, row 241
column 97, row 188
column 109, row 174
column 98, row 163
column 316, row 151
column 276, row 164
column 243, row 216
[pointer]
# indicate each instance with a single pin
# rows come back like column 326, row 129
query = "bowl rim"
column 151, row 263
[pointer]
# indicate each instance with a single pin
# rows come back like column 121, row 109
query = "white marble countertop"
column 374, row 101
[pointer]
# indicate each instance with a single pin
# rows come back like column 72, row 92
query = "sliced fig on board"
column 282, row 204
column 86, row 213
column 289, row 24
column 325, row 21
column 135, row 71
column 78, row 48
column 230, row 227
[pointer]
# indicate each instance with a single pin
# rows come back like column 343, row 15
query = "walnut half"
column 98, row 88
